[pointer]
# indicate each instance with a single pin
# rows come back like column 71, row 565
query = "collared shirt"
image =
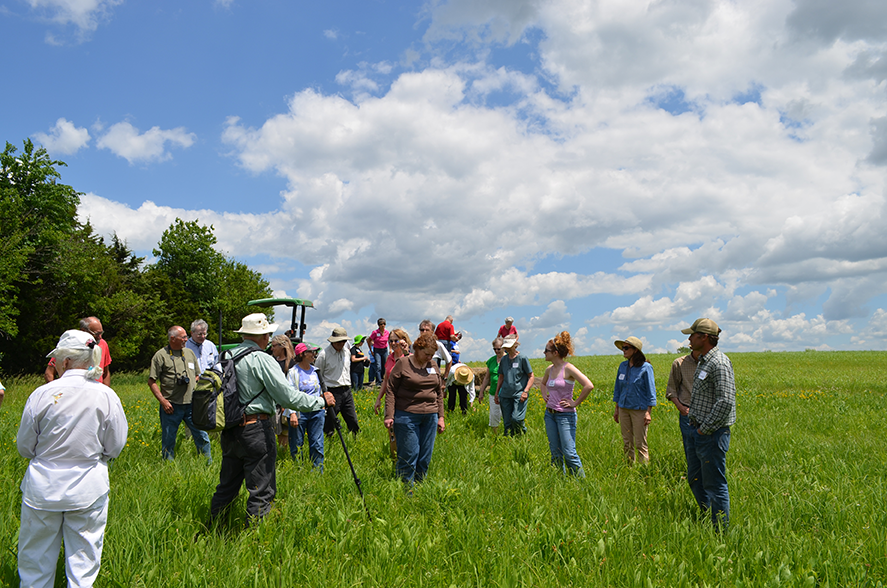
column 260, row 379
column 635, row 387
column 70, row 428
column 713, row 402
column 680, row 380
column 207, row 354
column 335, row 366
column 167, row 366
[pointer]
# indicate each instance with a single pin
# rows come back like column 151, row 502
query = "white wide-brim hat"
column 256, row 324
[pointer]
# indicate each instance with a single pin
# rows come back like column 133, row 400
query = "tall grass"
column 807, row 481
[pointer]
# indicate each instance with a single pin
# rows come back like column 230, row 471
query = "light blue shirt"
column 207, row 354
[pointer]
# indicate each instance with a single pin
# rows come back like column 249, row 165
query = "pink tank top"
column 559, row 389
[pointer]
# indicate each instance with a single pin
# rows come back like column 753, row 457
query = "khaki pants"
column 634, row 434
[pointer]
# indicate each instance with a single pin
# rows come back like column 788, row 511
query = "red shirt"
column 505, row 331
column 445, row 331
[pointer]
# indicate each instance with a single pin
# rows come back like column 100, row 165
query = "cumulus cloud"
column 124, row 140
column 85, row 15
column 64, row 138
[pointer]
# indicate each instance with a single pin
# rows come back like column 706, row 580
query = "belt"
column 250, row 419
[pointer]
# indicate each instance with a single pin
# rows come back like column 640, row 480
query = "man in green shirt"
column 249, row 451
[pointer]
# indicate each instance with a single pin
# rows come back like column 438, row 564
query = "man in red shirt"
column 446, row 333
column 508, row 329
column 93, row 326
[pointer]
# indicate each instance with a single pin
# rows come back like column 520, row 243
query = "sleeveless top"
column 559, row 389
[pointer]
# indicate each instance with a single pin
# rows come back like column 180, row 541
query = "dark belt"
column 250, row 419
column 338, row 388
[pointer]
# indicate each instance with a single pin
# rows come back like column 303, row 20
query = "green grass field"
column 808, row 482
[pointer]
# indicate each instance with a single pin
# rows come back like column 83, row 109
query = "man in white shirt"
column 205, row 350
column 334, row 365
column 70, row 428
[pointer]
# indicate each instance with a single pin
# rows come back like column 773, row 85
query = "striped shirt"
column 713, row 402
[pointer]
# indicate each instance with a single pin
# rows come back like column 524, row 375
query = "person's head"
column 338, row 338
column 462, row 375
column 199, row 328
column 93, row 326
column 510, row 345
column 561, row 345
column 381, row 324
column 424, row 348
column 358, row 340
column 78, row 350
column 631, row 350
column 282, row 348
column 176, row 336
column 449, row 318
column 305, row 353
column 426, row 326
column 256, row 328
column 704, row 334
column 497, row 347
column 399, row 341
column 509, row 321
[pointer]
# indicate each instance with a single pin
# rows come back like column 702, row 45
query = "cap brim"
column 619, row 344
column 687, row 331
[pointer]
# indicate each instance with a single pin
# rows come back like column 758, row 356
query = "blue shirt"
column 635, row 388
column 207, row 354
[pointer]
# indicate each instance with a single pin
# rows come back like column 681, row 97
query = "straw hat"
column 633, row 341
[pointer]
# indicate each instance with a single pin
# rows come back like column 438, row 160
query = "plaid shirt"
column 713, row 402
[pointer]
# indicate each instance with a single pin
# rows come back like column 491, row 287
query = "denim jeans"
column 707, row 466
column 415, row 434
column 561, row 430
column 514, row 412
column 380, row 356
column 310, row 423
column 687, row 432
column 169, row 428
column 357, row 377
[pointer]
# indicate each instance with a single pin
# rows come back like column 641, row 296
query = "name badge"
column 621, row 376
column 515, row 365
column 552, row 383
column 190, row 365
column 703, row 374
column 430, row 370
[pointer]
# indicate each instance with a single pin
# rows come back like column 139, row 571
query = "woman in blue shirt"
column 634, row 395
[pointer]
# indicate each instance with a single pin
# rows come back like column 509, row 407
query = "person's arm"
column 675, row 381
column 651, row 392
column 2, row 393
column 724, row 389
column 617, row 389
column 114, row 437
column 279, row 388
column 106, row 376
column 499, row 381
column 531, row 380
column 543, row 385
column 393, row 385
column 583, row 381
column 165, row 404
column 26, row 440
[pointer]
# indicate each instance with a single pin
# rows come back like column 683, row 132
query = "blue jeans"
column 310, row 423
column 380, row 356
column 169, row 428
column 357, row 377
column 514, row 412
column 707, row 467
column 561, row 430
column 695, row 482
column 415, row 434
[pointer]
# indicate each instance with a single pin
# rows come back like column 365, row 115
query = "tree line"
column 55, row 270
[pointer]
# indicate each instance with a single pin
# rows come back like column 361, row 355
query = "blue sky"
column 611, row 168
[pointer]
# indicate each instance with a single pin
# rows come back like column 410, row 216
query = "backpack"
column 215, row 403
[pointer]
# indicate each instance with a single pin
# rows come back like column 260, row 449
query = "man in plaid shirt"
column 712, row 411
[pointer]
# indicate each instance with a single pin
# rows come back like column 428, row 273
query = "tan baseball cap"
column 703, row 325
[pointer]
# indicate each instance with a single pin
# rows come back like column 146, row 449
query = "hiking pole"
column 348, row 457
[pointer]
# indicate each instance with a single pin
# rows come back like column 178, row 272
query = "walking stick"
column 348, row 457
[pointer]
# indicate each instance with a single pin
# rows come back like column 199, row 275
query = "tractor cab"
column 296, row 332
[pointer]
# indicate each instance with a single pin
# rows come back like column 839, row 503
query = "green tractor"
column 296, row 332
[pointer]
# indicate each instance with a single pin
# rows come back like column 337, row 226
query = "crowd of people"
column 74, row 424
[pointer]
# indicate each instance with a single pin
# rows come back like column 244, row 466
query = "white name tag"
column 430, row 370
column 703, row 374
column 190, row 366
column 621, row 376
column 515, row 365
column 552, row 383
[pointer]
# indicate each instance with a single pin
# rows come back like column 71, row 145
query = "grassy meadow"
column 807, row 468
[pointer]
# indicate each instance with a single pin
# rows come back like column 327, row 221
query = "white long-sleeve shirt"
column 70, row 428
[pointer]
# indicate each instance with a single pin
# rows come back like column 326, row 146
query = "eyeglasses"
column 627, row 347
column 548, row 350
column 497, row 349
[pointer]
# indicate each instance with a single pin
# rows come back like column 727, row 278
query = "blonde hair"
column 287, row 346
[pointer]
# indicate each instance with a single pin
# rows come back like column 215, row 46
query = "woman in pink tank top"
column 560, row 407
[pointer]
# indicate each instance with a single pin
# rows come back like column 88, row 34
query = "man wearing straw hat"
column 70, row 429
column 712, row 412
column 249, row 453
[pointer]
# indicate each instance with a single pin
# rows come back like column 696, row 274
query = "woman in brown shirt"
column 414, row 408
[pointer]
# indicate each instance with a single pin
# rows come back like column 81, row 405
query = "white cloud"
column 86, row 15
column 64, row 138
column 331, row 34
column 124, row 140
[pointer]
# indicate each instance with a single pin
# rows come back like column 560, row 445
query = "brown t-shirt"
column 415, row 390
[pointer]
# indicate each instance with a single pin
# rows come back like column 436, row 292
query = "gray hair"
column 427, row 322
column 85, row 323
column 199, row 324
column 173, row 331
column 498, row 341
column 82, row 359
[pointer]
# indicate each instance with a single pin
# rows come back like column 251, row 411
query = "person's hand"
column 166, row 405
column 616, row 415
column 330, row 399
column 647, row 419
column 294, row 419
column 377, row 405
column 440, row 425
column 524, row 395
column 684, row 409
column 496, row 398
column 389, row 424
column 568, row 403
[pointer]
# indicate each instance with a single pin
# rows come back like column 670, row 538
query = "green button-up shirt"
column 259, row 373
